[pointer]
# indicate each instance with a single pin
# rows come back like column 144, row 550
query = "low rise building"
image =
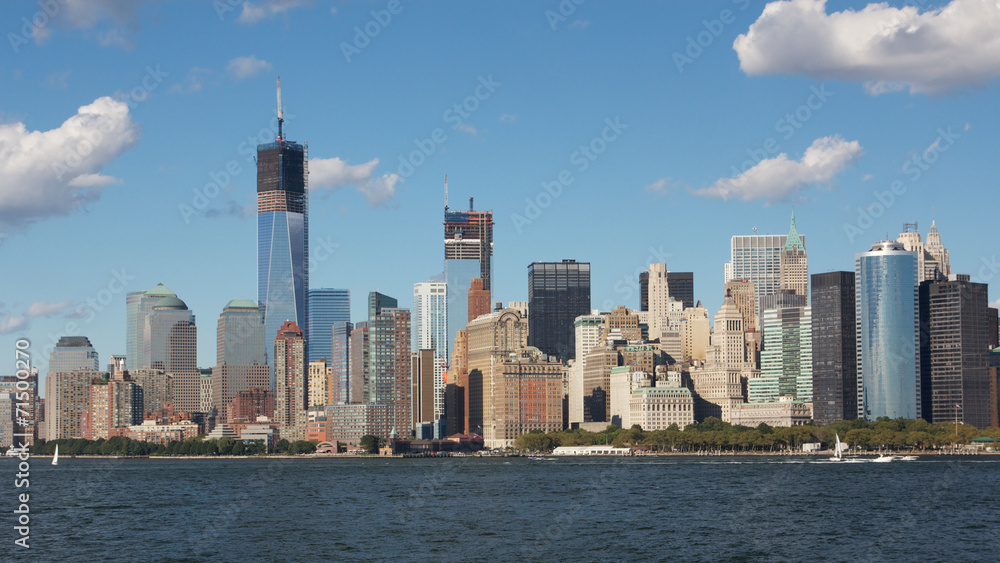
column 785, row 412
column 155, row 433
column 657, row 408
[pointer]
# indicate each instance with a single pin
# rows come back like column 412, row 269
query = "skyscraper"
column 389, row 379
column 558, row 293
column 794, row 265
column 422, row 392
column 743, row 292
column 377, row 302
column 680, row 286
column 954, row 352
column 138, row 304
column 170, row 343
column 72, row 364
column 834, row 355
column 658, row 300
column 291, row 388
column 757, row 258
column 887, row 333
column 282, row 231
column 360, row 364
column 786, row 360
column 340, row 363
column 932, row 256
column 490, row 340
column 479, row 299
column 240, row 360
column 468, row 254
column 430, row 332
column 587, row 333
column 325, row 308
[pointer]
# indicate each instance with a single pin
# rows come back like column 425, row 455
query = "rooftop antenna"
column 755, row 230
column 446, row 192
column 281, row 115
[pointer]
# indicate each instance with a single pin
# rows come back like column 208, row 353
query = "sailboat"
column 838, row 450
column 55, row 458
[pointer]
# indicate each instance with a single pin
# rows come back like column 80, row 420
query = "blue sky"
column 674, row 100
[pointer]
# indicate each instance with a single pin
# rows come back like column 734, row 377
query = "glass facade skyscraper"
column 138, row 304
column 282, row 235
column 887, row 333
column 558, row 293
column 170, row 343
column 786, row 359
column 326, row 307
column 468, row 254
column 241, row 362
column 72, row 363
column 340, row 363
column 430, row 332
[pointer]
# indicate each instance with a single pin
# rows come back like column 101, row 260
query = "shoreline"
column 821, row 455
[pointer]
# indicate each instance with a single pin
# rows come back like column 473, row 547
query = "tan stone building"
column 525, row 394
column 721, row 384
column 490, row 340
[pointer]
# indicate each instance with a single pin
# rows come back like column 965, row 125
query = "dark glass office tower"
column 644, row 290
column 282, row 233
column 834, row 355
column 954, row 351
column 680, row 287
column 558, row 293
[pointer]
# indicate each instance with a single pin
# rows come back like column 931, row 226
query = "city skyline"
column 147, row 181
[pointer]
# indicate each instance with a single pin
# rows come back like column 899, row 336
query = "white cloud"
column 335, row 173
column 579, row 24
column 466, row 128
column 775, row 179
column 995, row 304
column 253, row 12
column 116, row 22
column 508, row 118
column 380, row 190
column 660, row 187
column 46, row 309
column 888, row 49
column 245, row 67
column 46, row 173
column 866, row 177
column 10, row 324
column 193, row 81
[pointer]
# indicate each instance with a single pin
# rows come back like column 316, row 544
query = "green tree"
column 368, row 442
column 282, row 446
column 238, row 447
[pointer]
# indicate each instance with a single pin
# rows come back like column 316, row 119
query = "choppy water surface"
column 743, row 508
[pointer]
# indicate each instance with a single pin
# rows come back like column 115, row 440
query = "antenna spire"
column 446, row 192
column 281, row 115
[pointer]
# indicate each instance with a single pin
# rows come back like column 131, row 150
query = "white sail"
column 55, row 458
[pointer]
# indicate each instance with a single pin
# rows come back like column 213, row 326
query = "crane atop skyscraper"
column 281, row 115
column 446, row 192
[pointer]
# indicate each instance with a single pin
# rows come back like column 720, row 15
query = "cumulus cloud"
column 466, row 128
column 660, row 187
column 46, row 309
column 113, row 23
column 46, row 173
column 775, row 179
column 335, row 173
column 245, row 67
column 888, row 49
column 253, row 12
column 11, row 323
column 193, row 81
